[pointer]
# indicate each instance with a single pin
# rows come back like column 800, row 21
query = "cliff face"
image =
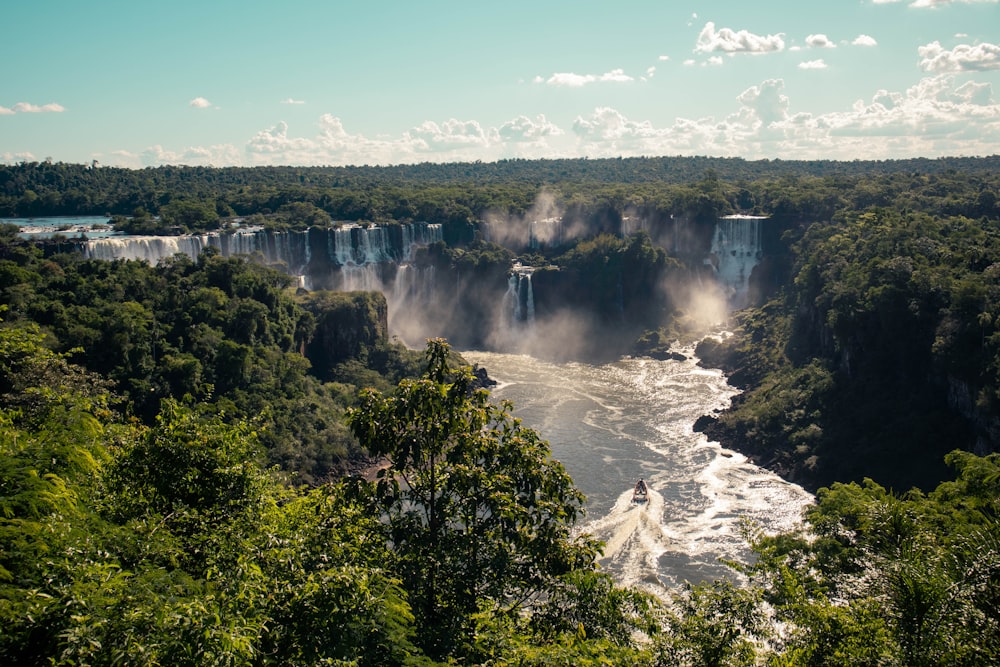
column 348, row 325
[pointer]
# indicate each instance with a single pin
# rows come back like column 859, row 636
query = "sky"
column 331, row 82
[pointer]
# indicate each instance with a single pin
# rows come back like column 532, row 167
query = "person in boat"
column 640, row 488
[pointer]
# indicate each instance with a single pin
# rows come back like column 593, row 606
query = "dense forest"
column 183, row 445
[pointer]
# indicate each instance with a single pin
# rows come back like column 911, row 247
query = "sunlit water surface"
column 610, row 425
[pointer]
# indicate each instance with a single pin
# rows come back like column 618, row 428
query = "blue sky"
column 242, row 82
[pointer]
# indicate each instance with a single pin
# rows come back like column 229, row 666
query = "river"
column 612, row 424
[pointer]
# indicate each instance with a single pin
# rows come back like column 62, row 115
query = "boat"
column 640, row 493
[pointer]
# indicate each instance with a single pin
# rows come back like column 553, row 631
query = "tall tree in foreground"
column 478, row 515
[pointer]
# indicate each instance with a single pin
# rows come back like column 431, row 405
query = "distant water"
column 68, row 226
column 610, row 425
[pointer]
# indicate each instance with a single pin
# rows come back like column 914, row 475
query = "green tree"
column 477, row 514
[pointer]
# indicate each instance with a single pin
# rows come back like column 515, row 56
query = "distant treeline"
column 464, row 193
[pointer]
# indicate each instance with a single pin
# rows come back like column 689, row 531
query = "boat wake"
column 634, row 539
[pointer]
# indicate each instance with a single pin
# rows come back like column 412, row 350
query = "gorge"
column 494, row 300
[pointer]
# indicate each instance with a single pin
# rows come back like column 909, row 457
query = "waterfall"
column 347, row 245
column 343, row 245
column 520, row 295
column 513, row 295
column 529, row 300
column 736, row 250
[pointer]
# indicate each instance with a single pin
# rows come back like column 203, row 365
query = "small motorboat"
column 640, row 493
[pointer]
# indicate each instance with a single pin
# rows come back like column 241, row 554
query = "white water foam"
column 612, row 424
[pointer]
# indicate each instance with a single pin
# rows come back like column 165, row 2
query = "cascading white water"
column 736, row 250
column 150, row 249
column 612, row 424
column 513, row 295
column 347, row 245
column 520, row 295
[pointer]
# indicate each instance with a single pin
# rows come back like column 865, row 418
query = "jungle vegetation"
column 177, row 444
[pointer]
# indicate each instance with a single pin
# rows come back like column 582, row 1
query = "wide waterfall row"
column 347, row 245
column 736, row 250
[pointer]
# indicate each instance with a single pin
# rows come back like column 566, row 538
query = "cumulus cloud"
column 452, row 132
column 864, row 40
column 736, row 41
column 766, row 101
column 292, row 101
column 200, row 103
column 813, row 64
column 820, row 42
column 450, row 141
column 963, row 58
column 608, row 124
column 572, row 80
column 25, row 107
column 216, row 155
column 939, row 116
column 664, row 58
column 523, row 129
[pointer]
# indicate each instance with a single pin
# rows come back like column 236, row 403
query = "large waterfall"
column 466, row 303
column 299, row 252
column 736, row 250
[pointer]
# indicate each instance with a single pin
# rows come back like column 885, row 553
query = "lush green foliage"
column 169, row 544
column 887, row 579
column 141, row 522
column 890, row 319
column 477, row 512
column 224, row 335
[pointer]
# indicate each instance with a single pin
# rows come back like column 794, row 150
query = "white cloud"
column 963, row 58
column 689, row 62
column 571, row 80
column 607, row 124
column 200, row 103
column 820, row 42
column 217, row 155
column 664, row 58
column 940, row 116
column 650, row 71
column 813, row 64
column 714, row 61
column 523, row 129
column 4, row 111
column 25, row 107
column 292, row 101
column 733, row 41
column 864, row 40
column 430, row 135
column 14, row 158
column 766, row 101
